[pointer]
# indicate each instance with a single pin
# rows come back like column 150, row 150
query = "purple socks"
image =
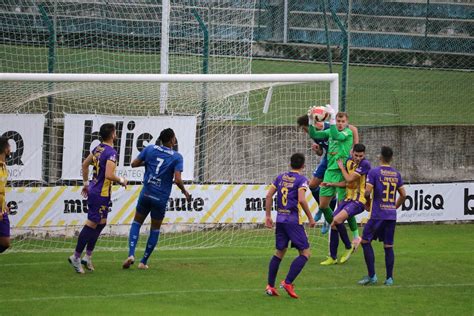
column 389, row 261
column 273, row 270
column 334, row 243
column 91, row 243
column 296, row 266
column 87, row 233
column 369, row 258
column 341, row 228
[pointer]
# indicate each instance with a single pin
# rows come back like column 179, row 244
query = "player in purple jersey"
column 98, row 194
column 383, row 182
column 354, row 171
column 291, row 189
column 4, row 210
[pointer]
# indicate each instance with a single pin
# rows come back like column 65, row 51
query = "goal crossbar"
column 333, row 79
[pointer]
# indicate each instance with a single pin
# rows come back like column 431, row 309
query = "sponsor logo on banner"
column 418, row 202
column 62, row 206
column 258, row 204
column 181, row 205
column 25, row 135
column 468, row 202
column 133, row 135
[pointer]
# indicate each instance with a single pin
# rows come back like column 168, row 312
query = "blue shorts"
column 321, row 168
column 352, row 208
column 295, row 233
column 383, row 230
column 149, row 204
column 4, row 225
column 97, row 208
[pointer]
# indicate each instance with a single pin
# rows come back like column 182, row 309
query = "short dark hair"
column 342, row 114
column 297, row 161
column 106, row 131
column 166, row 135
column 386, row 153
column 360, row 148
column 302, row 120
column 3, row 144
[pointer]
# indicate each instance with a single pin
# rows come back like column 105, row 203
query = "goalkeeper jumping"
column 340, row 144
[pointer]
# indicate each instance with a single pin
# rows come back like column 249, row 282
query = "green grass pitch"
column 434, row 275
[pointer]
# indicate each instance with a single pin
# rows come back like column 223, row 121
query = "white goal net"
column 229, row 161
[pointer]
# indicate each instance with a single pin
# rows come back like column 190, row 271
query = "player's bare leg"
column 272, row 272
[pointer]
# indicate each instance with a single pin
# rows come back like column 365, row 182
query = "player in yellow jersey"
column 4, row 222
column 354, row 171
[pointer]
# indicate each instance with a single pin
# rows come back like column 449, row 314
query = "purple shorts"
column 97, row 208
column 351, row 207
column 381, row 229
column 295, row 233
column 4, row 226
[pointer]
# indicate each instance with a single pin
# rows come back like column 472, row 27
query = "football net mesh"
column 242, row 135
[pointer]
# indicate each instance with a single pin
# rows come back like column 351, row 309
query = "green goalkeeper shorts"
column 333, row 176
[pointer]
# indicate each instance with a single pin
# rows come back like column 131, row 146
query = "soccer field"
column 434, row 275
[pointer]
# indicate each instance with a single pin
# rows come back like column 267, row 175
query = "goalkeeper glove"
column 310, row 117
column 332, row 114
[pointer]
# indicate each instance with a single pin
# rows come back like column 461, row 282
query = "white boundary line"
column 252, row 290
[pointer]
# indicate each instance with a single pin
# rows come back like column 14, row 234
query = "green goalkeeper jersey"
column 340, row 143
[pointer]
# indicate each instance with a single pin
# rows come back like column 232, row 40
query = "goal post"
column 228, row 181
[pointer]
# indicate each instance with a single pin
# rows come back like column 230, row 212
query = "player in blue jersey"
column 4, row 210
column 98, row 193
column 355, row 171
column 291, row 190
column 383, row 182
column 162, row 166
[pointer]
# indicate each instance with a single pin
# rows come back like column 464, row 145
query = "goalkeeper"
column 340, row 144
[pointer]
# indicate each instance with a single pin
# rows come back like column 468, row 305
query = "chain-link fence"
column 401, row 62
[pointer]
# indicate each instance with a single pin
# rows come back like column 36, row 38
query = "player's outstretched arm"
column 179, row 182
column 304, row 204
column 315, row 134
column 85, row 175
column 355, row 134
column 110, row 173
column 402, row 195
column 268, row 206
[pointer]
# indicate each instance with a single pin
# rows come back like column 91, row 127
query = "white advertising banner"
column 25, row 134
column 81, row 135
column 61, row 206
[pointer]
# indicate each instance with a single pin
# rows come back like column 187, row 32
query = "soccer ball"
column 319, row 113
